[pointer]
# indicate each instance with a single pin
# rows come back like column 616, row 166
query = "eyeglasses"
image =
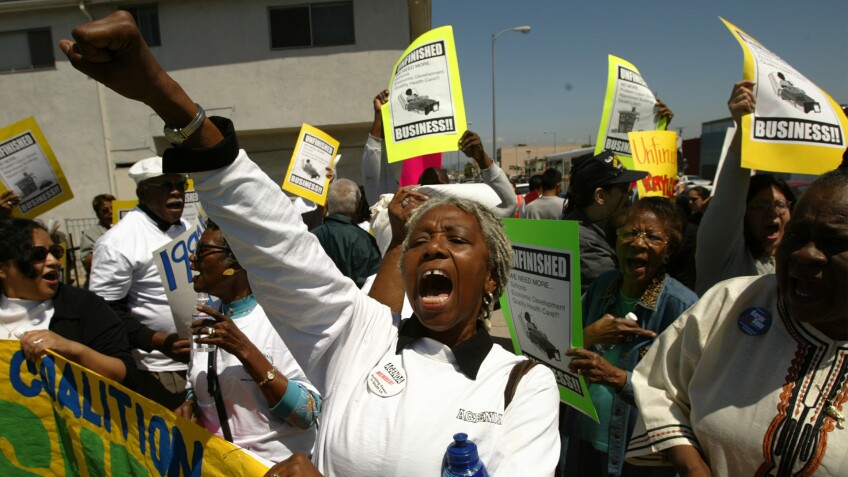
column 630, row 235
column 203, row 248
column 168, row 186
column 39, row 254
column 779, row 206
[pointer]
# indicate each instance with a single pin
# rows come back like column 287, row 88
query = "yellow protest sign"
column 654, row 152
column 306, row 177
column 120, row 209
column 796, row 126
column 58, row 418
column 629, row 105
column 30, row 169
column 425, row 113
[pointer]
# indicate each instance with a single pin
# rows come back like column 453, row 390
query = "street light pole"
column 554, row 133
column 523, row 29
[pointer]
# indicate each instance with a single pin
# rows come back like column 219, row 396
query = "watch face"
column 270, row 375
column 173, row 136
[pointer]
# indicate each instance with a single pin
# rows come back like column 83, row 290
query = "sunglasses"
column 39, row 254
column 203, row 248
column 168, row 186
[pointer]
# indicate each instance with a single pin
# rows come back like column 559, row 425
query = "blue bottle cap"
column 462, row 453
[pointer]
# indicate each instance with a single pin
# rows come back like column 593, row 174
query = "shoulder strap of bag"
column 215, row 391
column 518, row 371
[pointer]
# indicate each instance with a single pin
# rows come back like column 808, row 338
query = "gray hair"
column 343, row 197
column 500, row 250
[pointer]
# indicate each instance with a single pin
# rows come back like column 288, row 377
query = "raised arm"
column 721, row 240
column 471, row 145
column 378, row 176
column 304, row 295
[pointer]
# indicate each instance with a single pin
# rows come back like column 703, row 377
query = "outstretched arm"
column 721, row 241
column 112, row 51
column 471, row 145
column 304, row 295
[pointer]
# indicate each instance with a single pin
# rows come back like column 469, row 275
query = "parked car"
column 522, row 188
column 696, row 181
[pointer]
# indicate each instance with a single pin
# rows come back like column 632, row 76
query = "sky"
column 554, row 78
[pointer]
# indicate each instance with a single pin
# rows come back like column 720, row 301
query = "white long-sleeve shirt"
column 338, row 335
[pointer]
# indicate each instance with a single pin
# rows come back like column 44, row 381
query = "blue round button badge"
column 755, row 321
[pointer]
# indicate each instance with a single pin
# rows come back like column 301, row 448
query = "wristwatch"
column 178, row 135
column 269, row 376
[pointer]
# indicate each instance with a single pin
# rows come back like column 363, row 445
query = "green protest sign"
column 541, row 303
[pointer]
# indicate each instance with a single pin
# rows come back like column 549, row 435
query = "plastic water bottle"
column 202, row 300
column 603, row 348
column 461, row 459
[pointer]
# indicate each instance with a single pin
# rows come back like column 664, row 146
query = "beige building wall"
column 220, row 52
column 521, row 159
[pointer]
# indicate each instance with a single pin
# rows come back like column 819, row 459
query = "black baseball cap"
column 603, row 170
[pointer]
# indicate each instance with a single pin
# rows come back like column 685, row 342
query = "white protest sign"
column 172, row 261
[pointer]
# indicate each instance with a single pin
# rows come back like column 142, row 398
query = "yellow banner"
column 425, row 113
column 796, row 126
column 307, row 176
column 29, row 167
column 58, row 418
column 656, row 153
column 628, row 106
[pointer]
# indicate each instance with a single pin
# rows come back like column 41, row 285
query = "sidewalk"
column 500, row 332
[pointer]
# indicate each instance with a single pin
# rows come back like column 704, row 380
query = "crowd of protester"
column 715, row 324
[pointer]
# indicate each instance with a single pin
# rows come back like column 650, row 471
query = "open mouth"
column 434, row 288
column 51, row 277
column 771, row 232
column 174, row 205
column 637, row 264
column 806, row 290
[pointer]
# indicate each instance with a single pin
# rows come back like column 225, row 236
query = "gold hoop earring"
column 229, row 272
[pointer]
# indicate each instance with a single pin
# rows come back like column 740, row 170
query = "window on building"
column 26, row 50
column 321, row 24
column 147, row 19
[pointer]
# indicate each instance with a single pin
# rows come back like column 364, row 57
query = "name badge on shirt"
column 755, row 321
column 387, row 378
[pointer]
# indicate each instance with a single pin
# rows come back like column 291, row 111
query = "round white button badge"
column 387, row 378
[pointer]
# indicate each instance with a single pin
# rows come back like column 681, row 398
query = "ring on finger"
column 38, row 341
column 404, row 202
column 211, row 332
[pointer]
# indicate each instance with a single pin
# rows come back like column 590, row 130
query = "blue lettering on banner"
column 167, row 447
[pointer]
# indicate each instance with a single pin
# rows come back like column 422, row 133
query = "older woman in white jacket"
column 395, row 392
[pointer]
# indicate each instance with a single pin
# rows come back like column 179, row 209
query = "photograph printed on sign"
column 538, row 293
column 421, row 94
column 313, row 158
column 790, row 108
column 24, row 169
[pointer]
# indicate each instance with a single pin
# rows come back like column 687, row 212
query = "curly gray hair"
column 498, row 245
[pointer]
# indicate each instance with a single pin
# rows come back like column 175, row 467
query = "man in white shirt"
column 547, row 206
column 124, row 273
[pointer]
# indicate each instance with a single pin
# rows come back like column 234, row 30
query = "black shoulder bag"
column 215, row 392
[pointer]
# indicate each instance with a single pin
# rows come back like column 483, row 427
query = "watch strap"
column 269, row 376
column 179, row 135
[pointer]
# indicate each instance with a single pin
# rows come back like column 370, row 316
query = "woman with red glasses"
column 42, row 313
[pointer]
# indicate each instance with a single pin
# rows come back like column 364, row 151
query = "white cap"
column 146, row 169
